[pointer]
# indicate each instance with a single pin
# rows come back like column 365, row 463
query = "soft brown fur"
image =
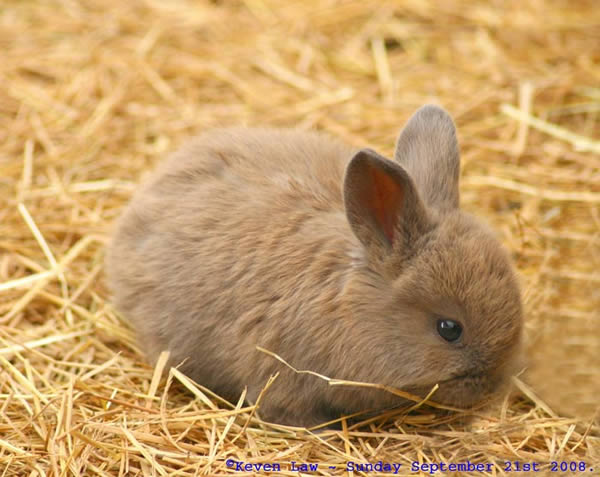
column 340, row 261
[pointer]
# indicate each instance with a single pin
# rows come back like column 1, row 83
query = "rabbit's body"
column 246, row 238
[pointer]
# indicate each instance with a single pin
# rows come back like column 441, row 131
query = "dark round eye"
column 450, row 330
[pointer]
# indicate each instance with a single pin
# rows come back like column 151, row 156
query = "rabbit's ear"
column 381, row 201
column 427, row 148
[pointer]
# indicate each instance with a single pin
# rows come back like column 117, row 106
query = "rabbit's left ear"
column 427, row 148
column 381, row 201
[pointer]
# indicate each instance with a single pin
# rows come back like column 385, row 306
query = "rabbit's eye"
column 450, row 330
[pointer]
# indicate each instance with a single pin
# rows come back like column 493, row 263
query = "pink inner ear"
column 385, row 201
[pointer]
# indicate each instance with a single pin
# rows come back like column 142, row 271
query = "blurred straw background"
column 94, row 93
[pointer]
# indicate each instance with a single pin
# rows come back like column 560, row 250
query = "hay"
column 94, row 93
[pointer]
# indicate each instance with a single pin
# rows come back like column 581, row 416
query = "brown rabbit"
column 338, row 260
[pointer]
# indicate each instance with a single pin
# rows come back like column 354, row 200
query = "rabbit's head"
column 433, row 286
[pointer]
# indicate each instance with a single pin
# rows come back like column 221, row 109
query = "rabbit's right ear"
column 427, row 148
column 381, row 200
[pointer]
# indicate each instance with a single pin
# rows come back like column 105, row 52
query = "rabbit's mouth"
column 469, row 388
column 467, row 376
column 474, row 380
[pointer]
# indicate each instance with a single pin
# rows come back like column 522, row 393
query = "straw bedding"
column 94, row 93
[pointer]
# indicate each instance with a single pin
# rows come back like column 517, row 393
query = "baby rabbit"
column 338, row 260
